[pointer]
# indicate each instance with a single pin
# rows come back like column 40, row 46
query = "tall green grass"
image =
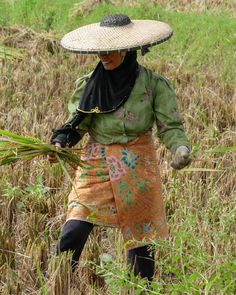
column 36, row 13
column 201, row 41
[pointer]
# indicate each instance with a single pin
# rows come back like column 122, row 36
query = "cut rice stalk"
column 14, row 147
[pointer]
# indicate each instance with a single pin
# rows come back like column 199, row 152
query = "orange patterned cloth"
column 121, row 187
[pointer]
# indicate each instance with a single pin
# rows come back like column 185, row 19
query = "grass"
column 212, row 45
column 199, row 257
column 202, row 49
column 36, row 14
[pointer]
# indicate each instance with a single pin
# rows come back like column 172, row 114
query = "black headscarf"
column 106, row 90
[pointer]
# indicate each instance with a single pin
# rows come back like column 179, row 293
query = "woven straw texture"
column 96, row 39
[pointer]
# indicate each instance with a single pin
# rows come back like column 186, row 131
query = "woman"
column 117, row 105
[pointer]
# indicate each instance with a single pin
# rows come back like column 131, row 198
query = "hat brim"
column 93, row 38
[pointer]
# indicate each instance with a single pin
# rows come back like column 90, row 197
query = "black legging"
column 142, row 262
column 75, row 234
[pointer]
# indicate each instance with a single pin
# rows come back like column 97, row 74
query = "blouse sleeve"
column 169, row 124
column 74, row 102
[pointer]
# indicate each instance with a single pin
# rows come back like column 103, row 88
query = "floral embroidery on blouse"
column 120, row 113
column 177, row 115
column 162, row 127
column 149, row 91
column 131, row 117
column 147, row 95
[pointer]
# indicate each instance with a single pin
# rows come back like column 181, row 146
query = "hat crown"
column 115, row 20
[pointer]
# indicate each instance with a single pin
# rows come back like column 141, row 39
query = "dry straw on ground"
column 84, row 7
column 34, row 93
column 197, row 5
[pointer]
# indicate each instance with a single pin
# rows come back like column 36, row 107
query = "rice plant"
column 14, row 147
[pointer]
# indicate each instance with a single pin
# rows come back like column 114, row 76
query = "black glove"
column 66, row 135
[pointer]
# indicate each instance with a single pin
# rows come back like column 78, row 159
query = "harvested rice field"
column 36, row 81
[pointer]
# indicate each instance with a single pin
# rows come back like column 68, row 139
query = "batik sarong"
column 120, row 186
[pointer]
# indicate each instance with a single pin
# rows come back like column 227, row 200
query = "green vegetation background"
column 204, row 40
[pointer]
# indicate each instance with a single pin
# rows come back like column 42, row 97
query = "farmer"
column 117, row 105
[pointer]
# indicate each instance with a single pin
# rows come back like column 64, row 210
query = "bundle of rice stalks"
column 14, row 147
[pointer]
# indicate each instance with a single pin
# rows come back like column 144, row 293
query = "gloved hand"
column 66, row 136
column 181, row 157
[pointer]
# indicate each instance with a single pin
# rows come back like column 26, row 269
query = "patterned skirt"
column 120, row 186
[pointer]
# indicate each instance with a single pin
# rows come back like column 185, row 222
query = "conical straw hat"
column 115, row 33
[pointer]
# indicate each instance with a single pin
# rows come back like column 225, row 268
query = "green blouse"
column 152, row 99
